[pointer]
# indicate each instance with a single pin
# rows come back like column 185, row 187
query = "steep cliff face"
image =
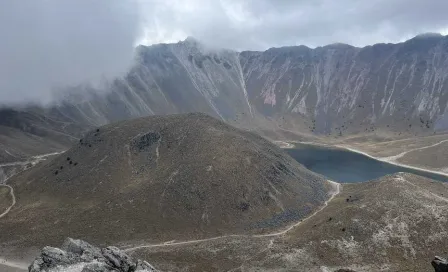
column 334, row 90
column 333, row 85
column 168, row 78
column 385, row 85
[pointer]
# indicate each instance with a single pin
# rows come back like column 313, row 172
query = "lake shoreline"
column 291, row 145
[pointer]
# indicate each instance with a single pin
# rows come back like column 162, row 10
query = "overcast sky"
column 260, row 24
column 49, row 44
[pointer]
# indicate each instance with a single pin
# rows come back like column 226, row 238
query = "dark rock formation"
column 78, row 255
column 440, row 264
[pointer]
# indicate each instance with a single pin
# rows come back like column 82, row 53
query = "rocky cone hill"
column 161, row 178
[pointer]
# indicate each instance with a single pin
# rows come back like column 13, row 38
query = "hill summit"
column 160, row 178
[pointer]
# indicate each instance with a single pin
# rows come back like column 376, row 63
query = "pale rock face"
column 339, row 83
column 80, row 256
column 339, row 88
column 331, row 83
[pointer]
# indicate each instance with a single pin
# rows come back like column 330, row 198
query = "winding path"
column 11, row 192
column 438, row 197
column 32, row 160
column 395, row 157
column 392, row 159
column 13, row 264
column 336, row 190
column 4, row 261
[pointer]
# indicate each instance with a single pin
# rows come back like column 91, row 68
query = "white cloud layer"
column 48, row 44
column 260, row 24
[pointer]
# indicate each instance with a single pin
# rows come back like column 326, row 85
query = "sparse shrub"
column 244, row 206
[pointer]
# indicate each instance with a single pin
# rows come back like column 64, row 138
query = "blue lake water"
column 346, row 166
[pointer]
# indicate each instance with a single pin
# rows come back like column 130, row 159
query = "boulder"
column 85, row 251
column 118, row 259
column 87, row 258
column 143, row 266
column 97, row 267
column 440, row 264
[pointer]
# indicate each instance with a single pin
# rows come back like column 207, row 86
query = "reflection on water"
column 346, row 166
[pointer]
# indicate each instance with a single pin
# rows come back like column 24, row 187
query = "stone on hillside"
column 84, row 250
column 97, row 267
column 80, row 256
column 440, row 264
column 118, row 259
column 143, row 266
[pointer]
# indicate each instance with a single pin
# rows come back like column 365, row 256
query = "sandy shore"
column 388, row 159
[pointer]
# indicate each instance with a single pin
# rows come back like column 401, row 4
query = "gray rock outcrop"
column 440, row 264
column 80, row 256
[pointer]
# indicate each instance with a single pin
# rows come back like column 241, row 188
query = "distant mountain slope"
column 33, row 131
column 161, row 178
column 333, row 90
column 400, row 87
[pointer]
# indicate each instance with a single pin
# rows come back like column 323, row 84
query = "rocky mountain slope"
column 157, row 179
column 80, row 256
column 343, row 88
column 34, row 131
column 332, row 90
column 395, row 223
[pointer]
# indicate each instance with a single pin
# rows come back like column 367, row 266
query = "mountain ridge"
column 335, row 90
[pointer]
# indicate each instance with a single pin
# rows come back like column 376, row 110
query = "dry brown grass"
column 160, row 178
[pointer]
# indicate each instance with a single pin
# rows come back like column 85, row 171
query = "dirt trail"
column 13, row 264
column 11, row 192
column 391, row 159
column 32, row 160
column 336, row 190
column 395, row 157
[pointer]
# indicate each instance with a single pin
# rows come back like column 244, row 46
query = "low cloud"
column 260, row 24
column 48, row 45
column 51, row 44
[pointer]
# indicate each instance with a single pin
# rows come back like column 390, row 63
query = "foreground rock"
column 440, row 264
column 80, row 256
